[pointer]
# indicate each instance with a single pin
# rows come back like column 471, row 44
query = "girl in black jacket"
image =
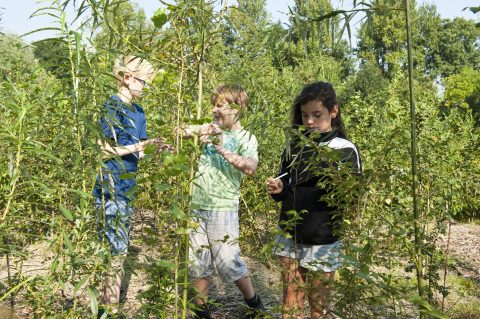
column 309, row 248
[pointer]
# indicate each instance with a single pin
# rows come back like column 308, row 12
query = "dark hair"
column 317, row 91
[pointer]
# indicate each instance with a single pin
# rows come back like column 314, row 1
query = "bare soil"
column 463, row 245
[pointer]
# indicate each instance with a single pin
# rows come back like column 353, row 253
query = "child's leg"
column 200, row 257
column 321, row 261
column 223, row 232
column 293, row 293
column 319, row 287
column 246, row 288
column 110, row 291
column 201, row 286
column 114, row 225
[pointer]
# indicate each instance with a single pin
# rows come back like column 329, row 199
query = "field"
column 411, row 105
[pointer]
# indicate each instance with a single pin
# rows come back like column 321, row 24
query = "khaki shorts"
column 214, row 244
column 324, row 258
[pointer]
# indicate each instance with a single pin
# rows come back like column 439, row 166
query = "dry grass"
column 228, row 302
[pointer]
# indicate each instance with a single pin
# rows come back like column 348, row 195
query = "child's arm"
column 185, row 131
column 110, row 151
column 204, row 132
column 246, row 165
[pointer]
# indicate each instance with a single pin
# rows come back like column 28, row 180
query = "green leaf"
column 177, row 212
column 79, row 284
column 68, row 243
column 180, row 158
column 473, row 9
column 167, row 159
column 150, row 149
column 127, row 175
column 182, row 231
column 201, row 121
column 162, row 187
column 54, row 265
column 166, row 264
column 93, row 301
column 67, row 213
column 159, row 18
column 427, row 308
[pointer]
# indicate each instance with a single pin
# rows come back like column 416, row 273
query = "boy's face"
column 225, row 115
column 135, row 84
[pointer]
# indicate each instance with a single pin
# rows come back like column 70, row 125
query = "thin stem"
column 18, row 158
column 445, row 267
column 178, row 145
column 413, row 121
column 9, row 274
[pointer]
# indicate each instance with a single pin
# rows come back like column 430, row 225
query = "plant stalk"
column 413, row 121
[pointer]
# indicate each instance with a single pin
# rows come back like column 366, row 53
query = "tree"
column 244, row 34
column 124, row 27
column 52, row 54
column 383, row 38
column 428, row 40
column 463, row 90
column 309, row 32
column 16, row 57
column 459, row 46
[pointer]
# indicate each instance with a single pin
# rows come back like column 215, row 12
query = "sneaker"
column 256, row 309
column 202, row 312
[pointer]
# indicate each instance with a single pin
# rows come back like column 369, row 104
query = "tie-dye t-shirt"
column 217, row 182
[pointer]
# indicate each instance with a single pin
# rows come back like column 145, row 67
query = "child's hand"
column 275, row 186
column 166, row 148
column 156, row 141
column 160, row 144
column 211, row 133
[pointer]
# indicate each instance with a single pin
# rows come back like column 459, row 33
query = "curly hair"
column 317, row 91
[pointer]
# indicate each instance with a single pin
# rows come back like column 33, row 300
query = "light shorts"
column 115, row 225
column 215, row 244
column 324, row 258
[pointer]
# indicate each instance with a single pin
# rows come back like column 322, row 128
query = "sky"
column 16, row 13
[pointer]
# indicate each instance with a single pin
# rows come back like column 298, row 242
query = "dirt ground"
column 228, row 302
column 463, row 245
column 227, row 299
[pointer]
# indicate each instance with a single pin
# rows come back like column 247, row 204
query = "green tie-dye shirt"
column 217, row 182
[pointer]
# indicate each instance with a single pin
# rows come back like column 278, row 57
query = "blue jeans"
column 114, row 226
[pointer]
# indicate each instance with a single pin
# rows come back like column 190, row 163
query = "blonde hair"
column 232, row 94
column 135, row 66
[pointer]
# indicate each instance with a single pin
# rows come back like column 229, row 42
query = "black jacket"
column 307, row 166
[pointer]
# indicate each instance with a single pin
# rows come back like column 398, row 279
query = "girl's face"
column 316, row 117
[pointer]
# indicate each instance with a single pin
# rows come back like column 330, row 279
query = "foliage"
column 458, row 47
column 51, row 106
column 17, row 57
column 383, row 37
column 53, row 56
column 462, row 90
